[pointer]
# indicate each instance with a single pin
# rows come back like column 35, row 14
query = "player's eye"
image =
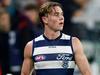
column 58, row 14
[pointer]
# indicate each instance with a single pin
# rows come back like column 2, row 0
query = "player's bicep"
column 80, row 57
column 78, row 50
column 27, row 63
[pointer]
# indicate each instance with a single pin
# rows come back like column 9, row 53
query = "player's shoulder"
column 28, row 49
column 75, row 39
column 76, row 43
column 30, row 43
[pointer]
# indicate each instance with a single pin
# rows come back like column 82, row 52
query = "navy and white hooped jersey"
column 53, row 57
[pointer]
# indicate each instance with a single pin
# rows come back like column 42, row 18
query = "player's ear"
column 45, row 19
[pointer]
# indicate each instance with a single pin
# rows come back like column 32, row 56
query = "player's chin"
column 60, row 29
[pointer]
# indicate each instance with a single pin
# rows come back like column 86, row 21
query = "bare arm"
column 27, row 63
column 80, row 57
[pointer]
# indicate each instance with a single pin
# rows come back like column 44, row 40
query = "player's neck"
column 51, row 34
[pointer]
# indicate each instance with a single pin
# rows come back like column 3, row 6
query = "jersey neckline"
column 53, row 39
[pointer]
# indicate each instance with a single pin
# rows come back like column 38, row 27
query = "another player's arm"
column 27, row 63
column 80, row 57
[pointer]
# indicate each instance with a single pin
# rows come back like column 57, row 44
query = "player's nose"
column 61, row 17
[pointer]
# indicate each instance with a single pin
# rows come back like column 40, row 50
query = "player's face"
column 55, row 19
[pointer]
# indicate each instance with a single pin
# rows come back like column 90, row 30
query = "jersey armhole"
column 32, row 47
column 72, row 47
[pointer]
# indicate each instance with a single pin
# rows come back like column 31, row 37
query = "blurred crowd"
column 19, row 23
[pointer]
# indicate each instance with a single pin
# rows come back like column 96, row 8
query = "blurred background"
column 19, row 23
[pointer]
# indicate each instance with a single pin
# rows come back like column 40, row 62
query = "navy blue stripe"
column 52, row 57
column 55, row 71
column 52, row 43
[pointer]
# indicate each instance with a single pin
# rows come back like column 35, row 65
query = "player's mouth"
column 61, row 23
